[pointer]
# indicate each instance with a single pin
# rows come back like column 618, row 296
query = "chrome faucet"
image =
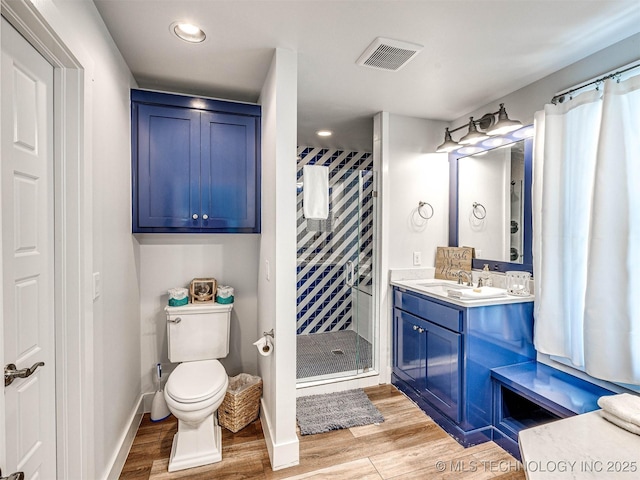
column 466, row 274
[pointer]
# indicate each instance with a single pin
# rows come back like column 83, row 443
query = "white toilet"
column 197, row 336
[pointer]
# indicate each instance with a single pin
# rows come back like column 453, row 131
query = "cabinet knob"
column 194, row 216
column 420, row 330
column 205, row 217
column 415, row 327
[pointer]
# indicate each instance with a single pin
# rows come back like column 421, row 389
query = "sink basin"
column 443, row 285
column 442, row 289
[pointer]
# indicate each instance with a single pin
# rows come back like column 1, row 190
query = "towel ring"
column 420, row 206
column 479, row 207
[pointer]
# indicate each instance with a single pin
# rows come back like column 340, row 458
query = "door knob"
column 13, row 476
column 11, row 372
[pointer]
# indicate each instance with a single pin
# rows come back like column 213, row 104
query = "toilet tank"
column 198, row 332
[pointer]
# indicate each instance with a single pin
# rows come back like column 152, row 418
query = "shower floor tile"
column 322, row 354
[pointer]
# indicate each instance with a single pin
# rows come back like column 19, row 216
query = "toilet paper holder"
column 264, row 343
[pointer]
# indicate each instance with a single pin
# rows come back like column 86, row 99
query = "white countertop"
column 421, row 286
column 582, row 447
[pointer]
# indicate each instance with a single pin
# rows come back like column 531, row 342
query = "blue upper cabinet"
column 167, row 167
column 227, row 142
column 196, row 165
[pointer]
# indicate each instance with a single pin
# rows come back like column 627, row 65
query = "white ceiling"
column 474, row 51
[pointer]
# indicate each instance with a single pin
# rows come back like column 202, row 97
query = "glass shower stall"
column 336, row 331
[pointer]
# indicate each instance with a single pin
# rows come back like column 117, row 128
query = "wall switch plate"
column 97, row 285
column 417, row 259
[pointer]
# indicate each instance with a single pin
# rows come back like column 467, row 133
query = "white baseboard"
column 126, row 440
column 147, row 399
column 337, row 385
column 283, row 455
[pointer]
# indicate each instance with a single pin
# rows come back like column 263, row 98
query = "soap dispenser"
column 485, row 276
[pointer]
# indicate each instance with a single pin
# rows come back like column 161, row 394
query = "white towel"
column 617, row 421
column 315, row 192
column 624, row 406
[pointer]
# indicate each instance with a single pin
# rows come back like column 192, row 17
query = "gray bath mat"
column 333, row 411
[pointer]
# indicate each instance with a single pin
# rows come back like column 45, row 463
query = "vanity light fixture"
column 324, row 133
column 473, row 136
column 188, row 32
column 470, row 150
column 479, row 130
column 504, row 124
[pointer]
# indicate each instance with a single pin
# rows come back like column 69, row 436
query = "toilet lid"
column 193, row 382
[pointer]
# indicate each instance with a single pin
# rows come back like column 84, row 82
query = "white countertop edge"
column 584, row 446
column 411, row 286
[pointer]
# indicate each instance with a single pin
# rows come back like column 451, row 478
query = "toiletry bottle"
column 485, row 276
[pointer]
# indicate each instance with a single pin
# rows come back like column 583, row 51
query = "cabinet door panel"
column 228, row 171
column 409, row 357
column 168, row 166
column 443, row 374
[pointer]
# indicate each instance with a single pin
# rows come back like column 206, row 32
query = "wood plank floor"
column 408, row 445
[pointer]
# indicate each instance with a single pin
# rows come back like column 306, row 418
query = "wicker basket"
column 241, row 403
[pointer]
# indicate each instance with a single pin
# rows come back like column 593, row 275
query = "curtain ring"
column 476, row 207
column 422, row 204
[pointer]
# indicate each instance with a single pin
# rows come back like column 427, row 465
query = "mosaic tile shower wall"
column 324, row 302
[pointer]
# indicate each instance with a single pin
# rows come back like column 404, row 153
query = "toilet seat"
column 197, row 382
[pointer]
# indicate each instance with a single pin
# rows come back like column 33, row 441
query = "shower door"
column 335, row 281
column 361, row 278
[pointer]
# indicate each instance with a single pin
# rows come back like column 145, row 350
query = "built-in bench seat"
column 532, row 393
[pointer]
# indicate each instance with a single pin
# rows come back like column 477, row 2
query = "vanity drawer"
column 447, row 317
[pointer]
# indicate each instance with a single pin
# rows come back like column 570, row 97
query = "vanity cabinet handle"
column 194, row 216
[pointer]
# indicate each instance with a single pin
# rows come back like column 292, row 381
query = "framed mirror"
column 490, row 201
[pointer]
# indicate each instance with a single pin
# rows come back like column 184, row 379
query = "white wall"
column 523, row 103
column 416, row 174
column 111, row 321
column 168, row 261
column 410, row 173
column 277, row 281
column 116, row 311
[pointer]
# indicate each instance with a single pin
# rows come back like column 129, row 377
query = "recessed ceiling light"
column 188, row 32
column 324, row 133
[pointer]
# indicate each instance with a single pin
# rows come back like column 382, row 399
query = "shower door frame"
column 373, row 316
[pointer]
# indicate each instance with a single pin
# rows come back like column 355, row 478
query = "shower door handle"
column 349, row 273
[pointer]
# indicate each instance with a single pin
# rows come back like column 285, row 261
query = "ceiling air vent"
column 387, row 54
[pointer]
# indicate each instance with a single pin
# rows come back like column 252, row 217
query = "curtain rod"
column 559, row 98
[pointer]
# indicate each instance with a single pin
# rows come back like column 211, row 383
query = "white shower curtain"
column 586, row 197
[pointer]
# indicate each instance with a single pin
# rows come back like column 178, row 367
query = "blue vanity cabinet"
column 427, row 357
column 443, row 355
column 195, row 165
column 409, row 353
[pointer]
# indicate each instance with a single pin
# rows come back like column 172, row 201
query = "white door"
column 27, row 257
